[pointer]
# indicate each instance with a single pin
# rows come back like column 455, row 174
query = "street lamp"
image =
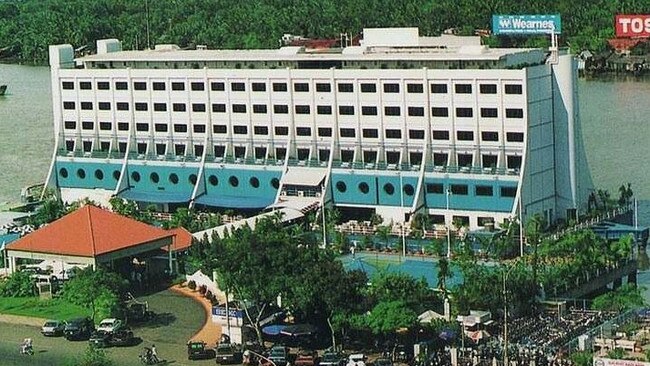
column 505, row 314
column 448, row 230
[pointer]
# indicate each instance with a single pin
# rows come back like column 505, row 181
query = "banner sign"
column 632, row 26
column 600, row 361
column 221, row 312
column 526, row 24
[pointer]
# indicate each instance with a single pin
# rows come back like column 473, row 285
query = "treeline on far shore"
column 27, row 27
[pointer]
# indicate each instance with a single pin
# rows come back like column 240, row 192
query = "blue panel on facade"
column 390, row 193
column 89, row 175
column 240, row 188
column 354, row 189
column 235, row 201
column 464, row 195
column 174, row 181
column 155, row 197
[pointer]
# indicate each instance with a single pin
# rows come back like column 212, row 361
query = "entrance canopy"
column 310, row 177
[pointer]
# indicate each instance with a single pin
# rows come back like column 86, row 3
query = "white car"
column 110, row 325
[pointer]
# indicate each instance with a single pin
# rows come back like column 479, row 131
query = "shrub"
column 202, row 289
column 19, row 284
column 208, row 295
column 191, row 285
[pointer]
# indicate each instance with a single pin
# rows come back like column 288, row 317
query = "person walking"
column 154, row 354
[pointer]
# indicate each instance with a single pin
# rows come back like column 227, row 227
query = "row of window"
column 434, row 188
column 344, row 110
column 417, row 88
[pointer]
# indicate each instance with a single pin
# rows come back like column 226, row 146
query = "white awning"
column 311, row 177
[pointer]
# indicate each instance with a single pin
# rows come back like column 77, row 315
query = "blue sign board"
column 526, row 24
column 221, row 311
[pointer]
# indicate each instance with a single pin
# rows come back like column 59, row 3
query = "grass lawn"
column 35, row 307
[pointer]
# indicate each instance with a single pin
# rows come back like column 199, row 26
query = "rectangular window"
column 219, row 129
column 105, row 126
column 346, row 110
column 391, row 88
column 179, row 149
column 489, row 113
column 514, row 113
column 513, row 89
column 392, row 111
column 303, row 131
column 416, row 134
column 416, row 111
column 259, row 108
column 347, row 132
column 415, row 88
column 178, row 85
column 513, row 162
column 158, row 86
column 85, row 85
column 323, row 87
column 368, row 88
column 465, row 160
column 219, row 108
column 489, row 136
column 121, row 85
column 180, row 128
column 440, row 135
column 489, row 161
column 237, row 87
column 67, row 85
column 103, row 85
column 485, row 191
column 197, row 86
column 122, row 126
column 281, row 130
column 302, row 109
column 240, row 130
column 179, row 107
column 370, row 133
column 279, row 87
column 465, row 135
column 104, row 106
column 87, row 106
column 122, row 106
column 393, row 134
column 70, row 125
column 439, row 112
column 459, row 189
column 463, row 88
column 161, row 149
column 464, row 112
column 280, row 109
column 139, row 85
column 142, row 127
column 324, row 132
column 217, row 86
column 160, row 107
column 260, row 130
column 508, row 191
column 239, row 108
column 438, row 88
column 198, row 107
column 345, row 88
column 258, row 87
column 482, row 221
column 160, row 127
column 324, row 109
column 514, row 136
column 488, row 88
column 142, row 107
column 435, row 188
column 300, row 87
column 369, row 110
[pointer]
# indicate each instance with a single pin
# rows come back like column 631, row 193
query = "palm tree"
column 383, row 232
column 443, row 274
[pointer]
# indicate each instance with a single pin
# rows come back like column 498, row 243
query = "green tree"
column 97, row 290
column 389, row 316
column 18, row 284
column 444, row 273
column 624, row 298
column 93, row 356
column 582, row 358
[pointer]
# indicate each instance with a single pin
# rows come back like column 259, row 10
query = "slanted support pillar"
column 169, row 258
column 631, row 278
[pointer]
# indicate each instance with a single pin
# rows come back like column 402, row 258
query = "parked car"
column 121, row 337
column 78, row 329
column 198, row 351
column 227, row 353
column 383, row 362
column 99, row 339
column 332, row 359
column 279, row 355
column 358, row 359
column 53, row 328
column 306, row 358
column 401, row 353
column 110, row 325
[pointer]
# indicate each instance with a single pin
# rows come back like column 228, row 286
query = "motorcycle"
column 26, row 350
column 147, row 357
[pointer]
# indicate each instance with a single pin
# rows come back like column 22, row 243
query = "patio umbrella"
column 273, row 330
column 447, row 334
column 298, row 330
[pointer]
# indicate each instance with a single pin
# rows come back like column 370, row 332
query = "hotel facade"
column 397, row 125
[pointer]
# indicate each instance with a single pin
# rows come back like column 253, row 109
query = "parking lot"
column 177, row 319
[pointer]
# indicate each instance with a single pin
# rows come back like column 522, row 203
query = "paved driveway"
column 178, row 318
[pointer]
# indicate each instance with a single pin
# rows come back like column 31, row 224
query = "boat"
column 3, row 89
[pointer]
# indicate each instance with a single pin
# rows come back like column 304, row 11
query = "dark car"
column 199, row 351
column 333, row 359
column 383, row 362
column 227, row 353
column 306, row 358
column 99, row 339
column 120, row 338
column 78, row 329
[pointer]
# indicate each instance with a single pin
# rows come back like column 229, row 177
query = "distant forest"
column 27, row 27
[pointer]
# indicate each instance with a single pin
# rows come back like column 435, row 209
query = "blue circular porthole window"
column 192, row 179
column 135, row 176
column 63, row 172
column 275, row 183
column 213, row 180
column 409, row 190
column 154, row 177
column 389, row 189
column 364, row 188
column 99, row 174
column 81, row 173
column 173, row 178
column 341, row 187
column 116, row 174
column 233, row 181
column 255, row 183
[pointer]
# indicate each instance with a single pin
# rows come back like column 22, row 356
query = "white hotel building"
column 398, row 125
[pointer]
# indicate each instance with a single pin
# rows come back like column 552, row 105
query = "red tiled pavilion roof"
column 89, row 232
column 183, row 239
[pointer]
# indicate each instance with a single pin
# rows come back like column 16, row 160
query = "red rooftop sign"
column 632, row 26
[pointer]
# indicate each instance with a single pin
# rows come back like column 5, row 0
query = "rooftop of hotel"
column 378, row 44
